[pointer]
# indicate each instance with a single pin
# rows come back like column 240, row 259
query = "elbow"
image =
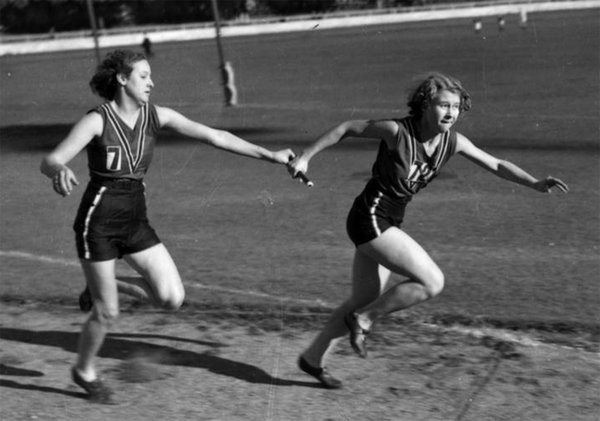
column 44, row 166
column 352, row 128
column 218, row 138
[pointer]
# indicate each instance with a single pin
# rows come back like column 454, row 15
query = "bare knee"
column 172, row 304
column 104, row 314
column 172, row 301
column 434, row 283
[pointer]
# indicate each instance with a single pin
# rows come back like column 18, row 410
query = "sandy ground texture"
column 209, row 366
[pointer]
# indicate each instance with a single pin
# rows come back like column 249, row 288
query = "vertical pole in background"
column 225, row 67
column 92, row 16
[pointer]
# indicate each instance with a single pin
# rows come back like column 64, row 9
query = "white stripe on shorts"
column 88, row 217
column 372, row 210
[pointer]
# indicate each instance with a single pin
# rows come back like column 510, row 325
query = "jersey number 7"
column 113, row 158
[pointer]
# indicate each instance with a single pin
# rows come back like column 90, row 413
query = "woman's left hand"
column 63, row 181
column 546, row 184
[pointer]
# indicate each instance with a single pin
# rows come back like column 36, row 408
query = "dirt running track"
column 200, row 366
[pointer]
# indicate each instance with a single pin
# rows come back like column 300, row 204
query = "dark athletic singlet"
column 120, row 151
column 397, row 174
column 402, row 171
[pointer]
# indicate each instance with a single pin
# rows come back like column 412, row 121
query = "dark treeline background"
column 43, row 16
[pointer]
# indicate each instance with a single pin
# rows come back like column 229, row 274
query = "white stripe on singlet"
column 412, row 143
column 113, row 120
column 441, row 151
column 142, row 135
column 141, row 139
column 372, row 210
column 88, row 217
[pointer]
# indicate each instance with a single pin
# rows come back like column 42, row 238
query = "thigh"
column 158, row 269
column 100, row 278
column 398, row 252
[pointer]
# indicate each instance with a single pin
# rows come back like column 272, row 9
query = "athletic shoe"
column 319, row 373
column 358, row 335
column 85, row 300
column 97, row 391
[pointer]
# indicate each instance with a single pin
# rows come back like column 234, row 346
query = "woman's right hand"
column 64, row 181
column 297, row 165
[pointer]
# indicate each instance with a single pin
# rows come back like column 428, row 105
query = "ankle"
column 88, row 375
column 313, row 362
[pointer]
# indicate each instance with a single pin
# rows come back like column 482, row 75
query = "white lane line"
column 39, row 258
column 75, row 263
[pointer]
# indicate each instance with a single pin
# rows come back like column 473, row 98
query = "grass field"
column 246, row 238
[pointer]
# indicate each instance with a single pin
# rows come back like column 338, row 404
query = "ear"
column 121, row 79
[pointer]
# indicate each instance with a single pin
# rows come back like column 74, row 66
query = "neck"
column 424, row 132
column 125, row 105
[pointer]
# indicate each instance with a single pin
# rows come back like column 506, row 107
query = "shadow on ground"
column 122, row 349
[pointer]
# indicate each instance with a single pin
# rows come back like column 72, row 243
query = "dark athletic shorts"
column 111, row 220
column 372, row 213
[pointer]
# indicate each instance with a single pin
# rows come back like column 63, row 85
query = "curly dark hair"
column 104, row 82
column 427, row 89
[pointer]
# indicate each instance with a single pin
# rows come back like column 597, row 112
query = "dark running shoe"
column 319, row 373
column 358, row 335
column 97, row 391
column 85, row 300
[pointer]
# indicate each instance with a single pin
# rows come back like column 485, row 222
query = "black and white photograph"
column 300, row 210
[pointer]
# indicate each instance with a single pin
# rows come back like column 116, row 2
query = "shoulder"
column 89, row 126
column 397, row 131
column 93, row 120
column 384, row 129
column 461, row 140
column 166, row 116
column 406, row 127
column 388, row 125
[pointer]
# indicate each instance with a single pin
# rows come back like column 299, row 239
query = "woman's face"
column 442, row 112
column 139, row 83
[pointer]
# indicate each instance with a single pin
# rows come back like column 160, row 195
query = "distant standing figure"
column 111, row 223
column 147, row 46
column 501, row 23
column 412, row 151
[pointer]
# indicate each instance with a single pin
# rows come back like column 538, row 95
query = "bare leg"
column 136, row 287
column 373, row 294
column 159, row 282
column 133, row 286
column 101, row 281
column 402, row 255
column 160, row 278
column 367, row 282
